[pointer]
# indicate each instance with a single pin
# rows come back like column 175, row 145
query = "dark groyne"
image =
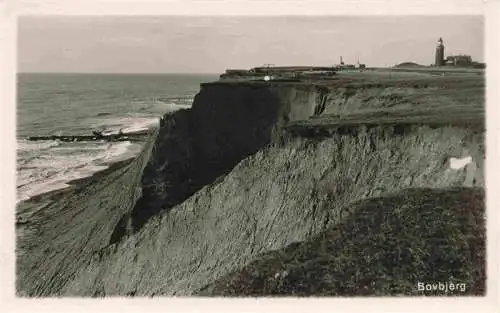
column 132, row 136
column 242, row 173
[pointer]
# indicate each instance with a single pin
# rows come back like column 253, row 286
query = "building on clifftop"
column 439, row 61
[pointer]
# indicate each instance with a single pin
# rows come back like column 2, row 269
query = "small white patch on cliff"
column 457, row 164
column 470, row 169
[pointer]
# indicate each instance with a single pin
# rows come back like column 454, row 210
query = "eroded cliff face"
column 227, row 180
column 280, row 195
column 231, row 121
column 227, row 123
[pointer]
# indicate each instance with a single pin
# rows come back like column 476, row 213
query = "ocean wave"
column 26, row 145
column 114, row 150
column 183, row 100
column 124, row 124
column 48, row 165
column 52, row 169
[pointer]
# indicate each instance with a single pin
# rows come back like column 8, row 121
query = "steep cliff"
column 230, row 121
column 227, row 123
column 278, row 196
column 246, row 171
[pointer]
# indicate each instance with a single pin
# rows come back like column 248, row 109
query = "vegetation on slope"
column 385, row 247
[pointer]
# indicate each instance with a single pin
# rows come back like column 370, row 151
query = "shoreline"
column 75, row 184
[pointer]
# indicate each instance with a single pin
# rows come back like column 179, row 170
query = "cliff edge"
column 255, row 167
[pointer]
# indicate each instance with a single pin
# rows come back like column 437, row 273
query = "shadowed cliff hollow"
column 254, row 167
column 227, row 123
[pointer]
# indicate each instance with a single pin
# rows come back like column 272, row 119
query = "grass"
column 384, row 248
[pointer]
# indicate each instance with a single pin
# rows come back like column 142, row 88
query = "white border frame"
column 9, row 10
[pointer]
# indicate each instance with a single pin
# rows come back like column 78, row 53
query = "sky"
column 197, row 44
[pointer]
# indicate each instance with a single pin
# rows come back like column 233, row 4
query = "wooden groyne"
column 96, row 136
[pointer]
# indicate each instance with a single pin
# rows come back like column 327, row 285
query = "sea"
column 77, row 104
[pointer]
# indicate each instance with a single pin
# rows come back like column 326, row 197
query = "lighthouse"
column 439, row 53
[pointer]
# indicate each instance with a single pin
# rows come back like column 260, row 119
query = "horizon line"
column 122, row 73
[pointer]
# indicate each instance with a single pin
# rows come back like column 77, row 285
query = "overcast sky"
column 212, row 44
